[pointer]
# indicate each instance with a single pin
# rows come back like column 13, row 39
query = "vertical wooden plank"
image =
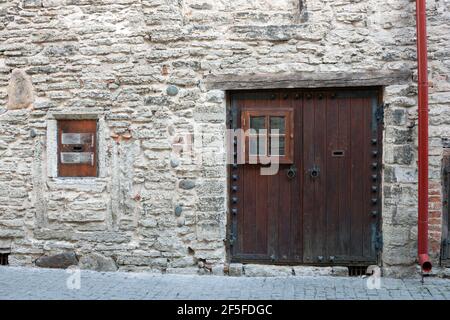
column 285, row 198
column 357, row 175
column 261, row 187
column 249, row 198
column 284, row 217
column 320, row 128
column 297, row 185
column 345, row 178
column 332, row 179
column 261, row 213
column 309, row 204
column 273, row 203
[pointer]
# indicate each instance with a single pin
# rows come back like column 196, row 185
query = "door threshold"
column 270, row 270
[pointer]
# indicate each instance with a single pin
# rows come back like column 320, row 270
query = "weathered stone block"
column 311, row 32
column 212, row 187
column 174, row 162
column 312, row 271
column 97, row 262
column 20, row 90
column 185, row 270
column 217, row 96
column 182, row 262
column 404, row 271
column 446, row 273
column 5, row 244
column 103, row 236
column 402, row 255
column 255, row 270
column 236, row 269
column 141, row 260
column 178, row 210
column 187, row 184
column 32, row 3
column 211, row 204
column 340, row 271
column 217, row 270
column 60, row 261
column 180, row 221
column 17, row 260
column 405, row 174
column 403, row 154
column 172, row 90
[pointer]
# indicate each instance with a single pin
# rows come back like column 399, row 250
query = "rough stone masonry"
column 141, row 68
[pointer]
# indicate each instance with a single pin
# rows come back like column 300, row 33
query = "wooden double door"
column 322, row 206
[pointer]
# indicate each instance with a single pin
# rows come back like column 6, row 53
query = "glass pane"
column 257, row 145
column 273, row 145
column 257, row 123
column 262, row 142
column 277, row 123
column 253, row 148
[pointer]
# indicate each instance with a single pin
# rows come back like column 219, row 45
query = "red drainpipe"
column 422, row 68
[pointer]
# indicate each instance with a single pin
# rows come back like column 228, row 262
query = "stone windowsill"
column 86, row 184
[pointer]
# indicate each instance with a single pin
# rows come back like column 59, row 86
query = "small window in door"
column 269, row 133
column 77, row 150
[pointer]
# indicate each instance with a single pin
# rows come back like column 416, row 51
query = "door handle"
column 292, row 172
column 314, row 172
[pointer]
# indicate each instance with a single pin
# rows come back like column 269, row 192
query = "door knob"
column 292, row 172
column 314, row 171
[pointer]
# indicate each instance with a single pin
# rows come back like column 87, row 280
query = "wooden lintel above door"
column 307, row 80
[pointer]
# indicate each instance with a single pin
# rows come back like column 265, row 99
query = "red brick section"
column 435, row 217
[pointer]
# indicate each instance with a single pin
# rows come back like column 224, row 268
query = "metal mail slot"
column 338, row 153
column 77, row 158
column 77, row 138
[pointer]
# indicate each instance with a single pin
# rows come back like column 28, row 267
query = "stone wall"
column 141, row 68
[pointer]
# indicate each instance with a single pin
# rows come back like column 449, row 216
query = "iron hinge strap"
column 234, row 116
column 378, row 240
column 230, row 240
column 380, row 112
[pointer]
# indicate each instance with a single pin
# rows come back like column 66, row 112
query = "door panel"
column 323, row 215
column 266, row 202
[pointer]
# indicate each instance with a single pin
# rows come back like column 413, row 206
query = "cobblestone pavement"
column 34, row 283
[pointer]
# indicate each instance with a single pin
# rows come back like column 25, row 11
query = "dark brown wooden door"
column 322, row 206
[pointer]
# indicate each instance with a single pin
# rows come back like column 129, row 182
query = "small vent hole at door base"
column 357, row 271
column 4, row 259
